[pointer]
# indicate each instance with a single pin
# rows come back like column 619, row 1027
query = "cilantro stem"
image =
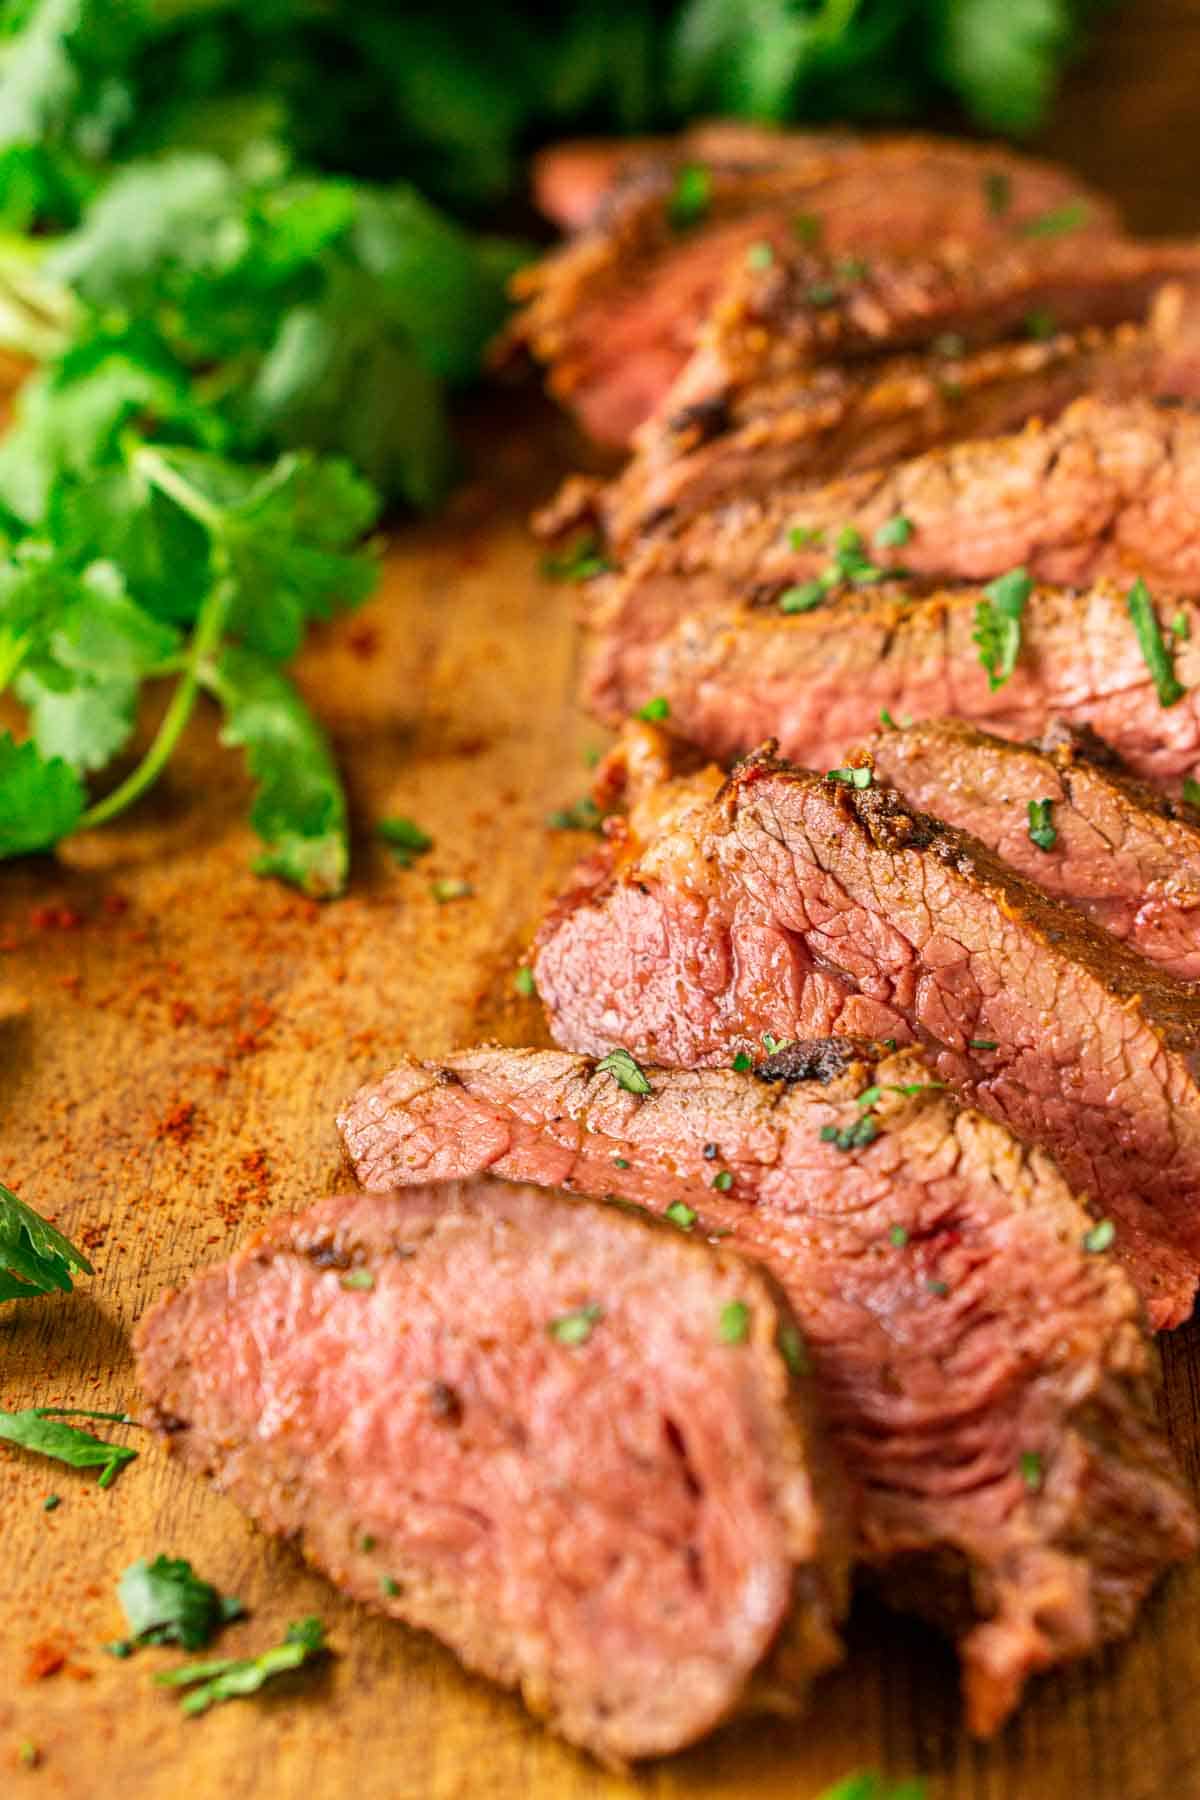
column 159, row 473
column 210, row 628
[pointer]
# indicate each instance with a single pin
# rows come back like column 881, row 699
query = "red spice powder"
column 45, row 1659
column 178, row 1123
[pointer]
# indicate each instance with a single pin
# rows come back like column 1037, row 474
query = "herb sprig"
column 40, row 1428
column 234, row 1678
column 34, row 1257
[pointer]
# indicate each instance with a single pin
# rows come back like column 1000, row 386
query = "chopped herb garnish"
column 1042, row 831
column 951, row 391
column 575, row 1327
column 234, row 1678
column 1181, row 627
column 39, row 1428
column 121, row 1648
column 902, row 724
column 998, row 624
column 367, row 1545
column 580, row 562
column 855, row 778
column 949, row 344
column 808, row 228
column 581, row 815
column 821, row 294
column 807, row 537
column 804, row 597
column 794, row 1350
column 620, row 1162
column 1150, row 639
column 723, row 1182
column 389, row 1585
column 524, row 983
column 1100, row 1236
column 734, row 1323
column 681, row 1214
column 760, row 256
column 691, row 196
column 890, row 1042
column 997, row 191
column 868, row 1784
column 773, row 1045
column 1191, row 791
column 940, row 1288
column 853, row 268
column 404, row 839
column 869, row 1097
column 625, row 1072
column 1032, row 1472
column 1040, row 324
column 166, row 1602
column 29, row 1753
column 864, row 1131
column 982, row 1044
column 450, row 887
column 359, row 1280
column 741, row 1062
column 898, row 1236
column 1054, row 223
column 654, row 710
column 34, row 1257
column 894, row 531
column 51, row 1503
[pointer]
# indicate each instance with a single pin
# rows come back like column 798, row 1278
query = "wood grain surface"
column 175, row 1036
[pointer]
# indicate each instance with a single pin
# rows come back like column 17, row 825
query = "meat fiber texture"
column 988, row 1380
column 1121, row 851
column 615, row 312
column 631, row 1516
column 787, row 903
column 753, row 410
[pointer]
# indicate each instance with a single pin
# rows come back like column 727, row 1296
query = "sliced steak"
column 568, row 1443
column 783, row 902
column 734, row 423
column 1106, row 842
column 615, row 312
column 735, row 672
column 987, row 1378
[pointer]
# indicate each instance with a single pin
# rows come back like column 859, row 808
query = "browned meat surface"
column 736, row 672
column 531, row 1428
column 1022, row 1495
column 1122, row 851
column 783, row 902
column 616, row 311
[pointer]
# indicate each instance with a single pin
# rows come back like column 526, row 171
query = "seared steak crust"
column 1122, row 851
column 634, row 1525
column 987, row 1377
column 787, row 903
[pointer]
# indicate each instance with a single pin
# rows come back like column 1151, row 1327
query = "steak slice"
column 565, row 1441
column 1120, row 850
column 615, row 312
column 783, row 902
column 735, row 672
column 743, row 420
column 986, row 1376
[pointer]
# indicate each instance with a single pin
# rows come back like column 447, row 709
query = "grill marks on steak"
column 735, row 672
column 634, row 1530
column 788, row 904
column 935, row 1397
column 1125, row 854
column 615, row 312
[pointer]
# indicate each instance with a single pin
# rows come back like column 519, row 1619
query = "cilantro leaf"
column 38, row 1430
column 233, row 1678
column 998, row 624
column 41, row 798
column 166, row 1602
column 34, row 1257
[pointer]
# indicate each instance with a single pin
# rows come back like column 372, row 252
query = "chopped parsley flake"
column 679, row 1213
column 901, row 724
column 524, row 983
column 949, row 344
column 1100, row 1236
column 855, row 778
column 691, row 196
column 654, row 710
column 723, row 1182
column 625, row 1072
column 1181, row 627
column 233, row 1678
column 581, row 815
column 982, row 1044
column 997, row 191
column 404, row 839
column 808, row 228
column 998, row 624
column 166, row 1602
column 940, row 1288
column 1032, row 1472
column 773, row 1045
column 1191, row 791
column 822, row 294
column 1056, row 222
column 897, row 1236
column 794, row 1350
column 894, row 532
column 389, row 1586
column 1042, row 831
column 760, row 256
column 450, row 887
column 367, row 1545
column 804, row 597
column 1040, row 324
column 742, row 1062
column 864, row 1131
column 583, row 560
column 620, row 1162
column 854, row 268
column 806, row 537
column 733, row 1326
column 1154, row 651
column 575, row 1327
column 360, row 1280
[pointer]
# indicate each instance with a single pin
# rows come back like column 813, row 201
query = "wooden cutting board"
column 175, row 1036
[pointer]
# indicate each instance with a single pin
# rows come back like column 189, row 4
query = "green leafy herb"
column 1191, row 790
column 864, row 1131
column 806, row 537
column 575, row 1327
column 1042, row 831
column 166, row 1602
column 803, row 597
column 1181, row 627
column 723, row 1181
column 808, row 228
column 655, row 710
column 894, row 532
column 404, row 838
column 868, row 1784
column 690, row 197
column 1058, row 222
column 949, row 344
column 794, row 1350
column 1041, row 324
column 51, row 1503
column 901, row 724
column 772, row 1044
column 997, row 191
column 822, row 294
column 524, row 982
column 235, row 1678
column 389, row 1586
column 40, row 1429
column 581, row 815
column 624, row 1071
column 939, row 1288
column 621, row 1162
column 898, row 1236
column 450, row 887
column 982, row 1044
column 741, row 1062
column 1099, row 1236
column 1154, row 650
column 998, row 624
column 34, row 1257
column 733, row 1326
column 1032, row 1471
column 681, row 1214
column 358, row 1281
column 584, row 560
column 855, row 778
column 760, row 256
